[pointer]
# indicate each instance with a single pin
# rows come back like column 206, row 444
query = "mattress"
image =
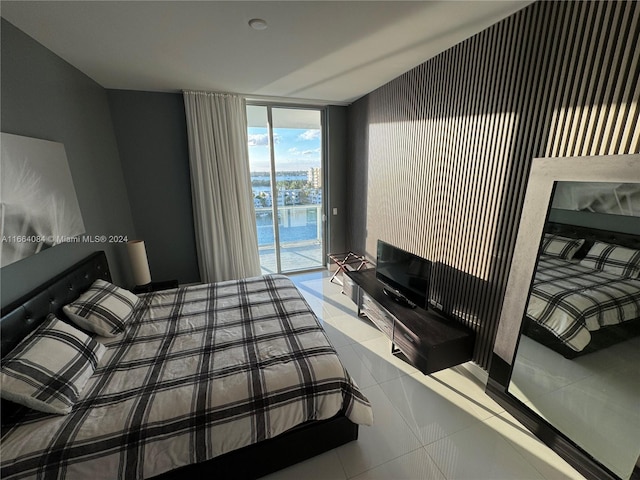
column 200, row 371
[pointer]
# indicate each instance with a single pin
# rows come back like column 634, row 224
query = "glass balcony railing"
column 300, row 232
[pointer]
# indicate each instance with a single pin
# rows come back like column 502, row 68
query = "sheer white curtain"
column 224, row 215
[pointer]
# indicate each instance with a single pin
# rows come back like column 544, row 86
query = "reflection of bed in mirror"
column 575, row 308
column 585, row 409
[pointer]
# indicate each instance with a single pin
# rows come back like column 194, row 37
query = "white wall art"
column 38, row 203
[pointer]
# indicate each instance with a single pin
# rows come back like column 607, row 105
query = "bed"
column 235, row 379
column 576, row 306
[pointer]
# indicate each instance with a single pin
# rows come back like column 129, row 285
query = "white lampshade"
column 139, row 262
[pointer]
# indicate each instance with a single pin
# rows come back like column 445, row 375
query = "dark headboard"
column 592, row 235
column 24, row 315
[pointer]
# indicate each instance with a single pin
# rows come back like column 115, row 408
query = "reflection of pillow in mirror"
column 613, row 259
column 562, row 247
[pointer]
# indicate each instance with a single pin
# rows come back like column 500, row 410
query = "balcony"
column 300, row 229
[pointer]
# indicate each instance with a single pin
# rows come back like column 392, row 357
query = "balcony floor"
column 294, row 256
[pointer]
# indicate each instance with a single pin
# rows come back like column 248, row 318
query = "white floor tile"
column 316, row 305
column 311, row 285
column 599, row 422
column 388, row 438
column 539, row 370
column 467, row 434
column 383, row 365
column 336, row 337
column 412, row 466
column 593, row 398
column 529, row 381
column 335, row 293
column 355, row 367
column 462, row 382
column 359, row 329
column 336, row 308
column 431, row 411
column 543, row 459
column 480, row 453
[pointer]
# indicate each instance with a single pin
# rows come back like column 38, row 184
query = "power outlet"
column 435, row 304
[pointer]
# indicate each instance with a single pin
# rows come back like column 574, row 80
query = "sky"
column 295, row 149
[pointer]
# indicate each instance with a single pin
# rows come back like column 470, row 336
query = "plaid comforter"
column 199, row 372
column 571, row 300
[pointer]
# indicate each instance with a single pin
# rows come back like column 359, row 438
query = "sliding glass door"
column 285, row 154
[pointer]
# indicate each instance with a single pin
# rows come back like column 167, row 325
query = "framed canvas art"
column 38, row 203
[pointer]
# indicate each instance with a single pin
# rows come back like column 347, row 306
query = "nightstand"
column 155, row 286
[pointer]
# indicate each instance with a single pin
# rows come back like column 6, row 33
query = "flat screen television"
column 405, row 276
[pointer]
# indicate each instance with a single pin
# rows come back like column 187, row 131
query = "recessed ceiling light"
column 258, row 24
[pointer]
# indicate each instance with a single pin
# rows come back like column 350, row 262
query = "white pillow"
column 613, row 259
column 48, row 369
column 558, row 246
column 103, row 309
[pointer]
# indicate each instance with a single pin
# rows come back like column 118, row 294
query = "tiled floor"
column 593, row 399
column 441, row 426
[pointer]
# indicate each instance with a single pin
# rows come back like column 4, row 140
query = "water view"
column 299, row 211
column 286, row 143
column 309, row 231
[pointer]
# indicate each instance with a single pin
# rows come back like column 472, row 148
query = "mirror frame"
column 544, row 173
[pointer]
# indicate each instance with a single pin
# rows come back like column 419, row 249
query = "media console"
column 426, row 339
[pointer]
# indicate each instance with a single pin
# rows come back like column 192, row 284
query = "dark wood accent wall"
column 439, row 157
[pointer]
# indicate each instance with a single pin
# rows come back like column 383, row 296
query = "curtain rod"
column 276, row 99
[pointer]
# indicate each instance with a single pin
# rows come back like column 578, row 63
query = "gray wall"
column 151, row 132
column 44, row 97
column 152, row 140
column 337, row 178
column 128, row 157
column 439, row 157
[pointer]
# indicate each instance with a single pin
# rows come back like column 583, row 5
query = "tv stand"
column 425, row 338
column 398, row 298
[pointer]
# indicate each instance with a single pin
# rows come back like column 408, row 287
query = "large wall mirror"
column 567, row 354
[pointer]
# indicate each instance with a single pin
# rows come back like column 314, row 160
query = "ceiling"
column 312, row 51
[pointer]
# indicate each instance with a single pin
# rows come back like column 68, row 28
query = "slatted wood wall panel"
column 439, row 157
